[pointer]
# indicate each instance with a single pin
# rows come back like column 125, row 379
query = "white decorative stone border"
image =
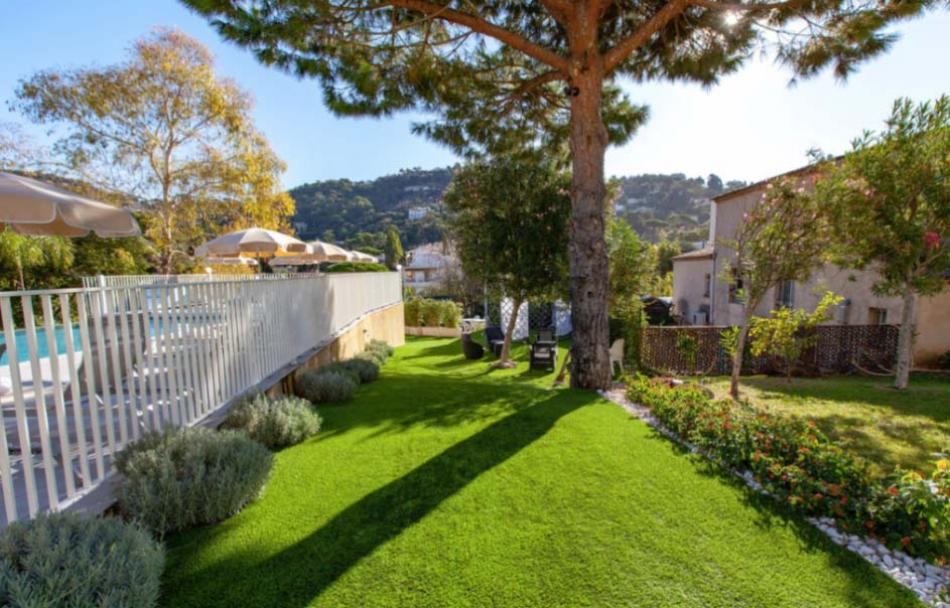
column 931, row 583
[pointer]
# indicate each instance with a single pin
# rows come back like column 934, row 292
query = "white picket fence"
column 88, row 370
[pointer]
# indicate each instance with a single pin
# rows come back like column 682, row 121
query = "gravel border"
column 931, row 583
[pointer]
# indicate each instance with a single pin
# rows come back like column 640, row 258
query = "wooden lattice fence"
column 838, row 349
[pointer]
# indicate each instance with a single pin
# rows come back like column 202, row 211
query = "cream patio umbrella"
column 329, row 251
column 37, row 208
column 304, row 259
column 258, row 242
column 359, row 256
column 232, row 261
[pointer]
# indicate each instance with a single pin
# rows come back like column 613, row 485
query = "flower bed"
column 794, row 462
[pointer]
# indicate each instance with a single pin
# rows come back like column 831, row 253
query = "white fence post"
column 89, row 370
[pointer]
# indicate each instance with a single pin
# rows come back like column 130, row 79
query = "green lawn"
column 446, row 483
column 886, row 426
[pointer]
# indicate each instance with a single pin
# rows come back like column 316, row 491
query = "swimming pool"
column 42, row 347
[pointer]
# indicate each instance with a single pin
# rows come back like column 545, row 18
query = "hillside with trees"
column 659, row 207
column 357, row 214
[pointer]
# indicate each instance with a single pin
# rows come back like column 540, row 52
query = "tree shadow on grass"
column 868, row 585
column 300, row 573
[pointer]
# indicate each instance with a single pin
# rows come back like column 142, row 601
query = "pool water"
column 23, row 353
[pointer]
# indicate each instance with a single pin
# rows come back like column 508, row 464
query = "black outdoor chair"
column 544, row 350
column 495, row 338
column 470, row 348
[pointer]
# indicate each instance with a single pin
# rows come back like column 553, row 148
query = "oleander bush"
column 190, row 477
column 67, row 560
column 796, row 463
column 428, row 312
column 365, row 368
column 275, row 423
column 326, row 386
column 412, row 309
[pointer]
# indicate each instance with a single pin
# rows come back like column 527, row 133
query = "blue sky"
column 749, row 127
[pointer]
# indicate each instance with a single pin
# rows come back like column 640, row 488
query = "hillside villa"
column 702, row 297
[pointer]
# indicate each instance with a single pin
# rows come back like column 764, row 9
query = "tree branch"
column 477, row 24
column 624, row 48
column 739, row 6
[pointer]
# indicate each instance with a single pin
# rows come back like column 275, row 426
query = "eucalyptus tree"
column 162, row 129
column 501, row 75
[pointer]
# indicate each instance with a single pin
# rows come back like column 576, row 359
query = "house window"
column 707, row 281
column 735, row 288
column 785, row 294
column 877, row 316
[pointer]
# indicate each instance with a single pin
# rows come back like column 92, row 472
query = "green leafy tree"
column 632, row 269
column 506, row 76
column 890, row 204
column 162, row 129
column 96, row 255
column 783, row 237
column 22, row 256
column 788, row 332
column 393, row 248
column 509, row 221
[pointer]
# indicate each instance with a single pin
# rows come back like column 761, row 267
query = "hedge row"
column 355, row 267
column 427, row 312
column 799, row 465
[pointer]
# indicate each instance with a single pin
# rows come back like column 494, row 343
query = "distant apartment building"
column 427, row 265
column 702, row 297
column 417, row 213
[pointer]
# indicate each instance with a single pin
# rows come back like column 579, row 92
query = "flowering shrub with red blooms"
column 796, row 463
column 912, row 513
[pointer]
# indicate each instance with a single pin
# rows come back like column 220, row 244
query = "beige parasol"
column 329, row 251
column 304, row 259
column 232, row 261
column 359, row 256
column 253, row 241
column 37, row 208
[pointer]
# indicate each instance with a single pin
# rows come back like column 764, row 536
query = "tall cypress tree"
column 502, row 75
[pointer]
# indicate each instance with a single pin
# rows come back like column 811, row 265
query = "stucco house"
column 428, row 265
column 702, row 297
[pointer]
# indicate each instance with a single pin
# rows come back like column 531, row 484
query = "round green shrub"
column 275, row 423
column 341, row 368
column 364, row 367
column 189, row 477
column 372, row 356
column 66, row 560
column 381, row 348
column 322, row 386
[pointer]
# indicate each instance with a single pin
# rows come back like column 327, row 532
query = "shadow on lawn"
column 301, row 572
column 869, row 585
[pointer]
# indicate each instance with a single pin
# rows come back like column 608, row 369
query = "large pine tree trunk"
column 588, row 249
column 905, row 339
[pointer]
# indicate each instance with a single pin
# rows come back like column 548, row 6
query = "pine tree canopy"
column 498, row 75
